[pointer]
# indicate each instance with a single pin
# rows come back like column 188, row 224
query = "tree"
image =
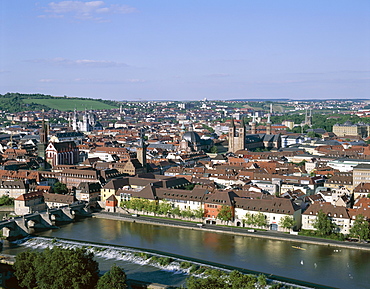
column 25, row 269
column 225, row 214
column 152, row 207
column 187, row 213
column 5, row 200
column 164, row 208
column 57, row 268
column 239, row 280
column 60, row 188
column 323, row 224
column 260, row 220
column 176, row 211
column 114, row 278
column 262, row 282
column 287, row 222
column 360, row 228
column 249, row 219
column 213, row 150
column 312, row 134
column 189, row 187
column 199, row 213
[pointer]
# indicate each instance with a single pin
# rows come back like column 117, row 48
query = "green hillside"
column 16, row 102
column 69, row 104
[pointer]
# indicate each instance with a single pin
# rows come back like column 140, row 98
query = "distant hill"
column 17, row 102
column 292, row 99
column 255, row 99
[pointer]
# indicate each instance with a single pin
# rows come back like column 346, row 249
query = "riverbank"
column 233, row 231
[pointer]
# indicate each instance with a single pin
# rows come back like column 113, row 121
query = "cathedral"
column 239, row 139
column 88, row 122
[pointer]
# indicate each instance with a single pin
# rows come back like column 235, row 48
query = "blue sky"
column 186, row 49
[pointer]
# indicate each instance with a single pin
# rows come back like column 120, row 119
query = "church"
column 88, row 123
column 239, row 139
column 192, row 142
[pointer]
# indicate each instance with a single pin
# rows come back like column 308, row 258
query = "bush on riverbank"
column 219, row 279
column 332, row 236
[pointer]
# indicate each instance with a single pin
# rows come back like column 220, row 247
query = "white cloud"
column 80, row 62
column 48, row 80
column 92, row 10
column 108, row 81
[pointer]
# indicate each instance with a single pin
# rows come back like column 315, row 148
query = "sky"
column 139, row 50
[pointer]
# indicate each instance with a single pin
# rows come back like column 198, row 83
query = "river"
column 334, row 267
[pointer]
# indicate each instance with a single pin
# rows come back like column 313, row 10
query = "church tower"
column 253, row 125
column 236, row 136
column 141, row 151
column 41, row 146
column 74, row 121
column 268, row 125
column 308, row 118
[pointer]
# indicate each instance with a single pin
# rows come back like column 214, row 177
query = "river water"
column 334, row 267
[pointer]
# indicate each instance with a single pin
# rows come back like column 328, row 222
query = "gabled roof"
column 276, row 205
column 328, row 209
column 220, row 198
column 57, row 198
column 29, row 196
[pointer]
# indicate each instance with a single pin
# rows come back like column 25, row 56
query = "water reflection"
column 336, row 267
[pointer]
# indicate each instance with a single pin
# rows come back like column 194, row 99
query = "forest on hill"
column 17, row 102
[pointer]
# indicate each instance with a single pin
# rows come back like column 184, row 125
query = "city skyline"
column 186, row 50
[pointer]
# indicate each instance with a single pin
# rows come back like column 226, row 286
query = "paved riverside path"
column 232, row 230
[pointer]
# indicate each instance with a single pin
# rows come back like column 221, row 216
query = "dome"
column 191, row 136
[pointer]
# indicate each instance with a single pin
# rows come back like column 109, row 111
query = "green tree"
column 360, row 228
column 323, row 224
column 213, row 150
column 25, row 269
column 238, row 280
column 60, row 188
column 249, row 219
column 152, row 207
column 176, row 211
column 262, row 282
column 57, row 268
column 260, row 220
column 114, row 278
column 225, row 214
column 199, row 213
column 189, row 186
column 312, row 134
column 287, row 222
column 164, row 208
column 5, row 200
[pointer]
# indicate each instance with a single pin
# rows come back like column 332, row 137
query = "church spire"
column 242, row 122
column 232, row 124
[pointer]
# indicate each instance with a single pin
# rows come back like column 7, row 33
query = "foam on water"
column 112, row 252
column 129, row 255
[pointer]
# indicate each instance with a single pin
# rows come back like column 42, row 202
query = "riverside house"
column 273, row 210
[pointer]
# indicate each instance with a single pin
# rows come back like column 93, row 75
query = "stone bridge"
column 25, row 225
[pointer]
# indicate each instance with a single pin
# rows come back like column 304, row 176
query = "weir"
column 133, row 255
